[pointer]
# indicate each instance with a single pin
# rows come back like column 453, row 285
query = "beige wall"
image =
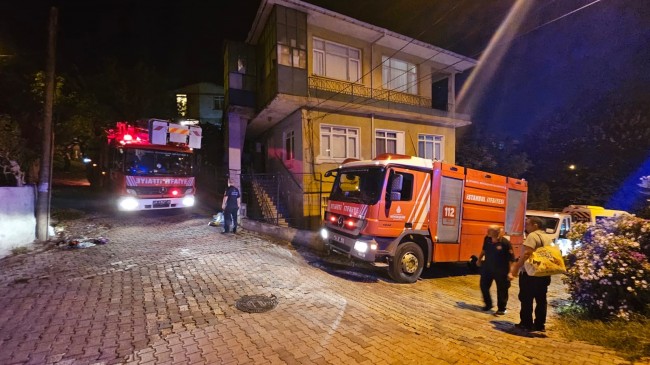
column 275, row 144
column 372, row 57
column 367, row 126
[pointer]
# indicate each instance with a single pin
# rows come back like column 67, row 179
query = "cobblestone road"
column 164, row 289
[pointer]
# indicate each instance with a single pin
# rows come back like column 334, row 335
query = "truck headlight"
column 361, row 246
column 188, row 201
column 323, row 233
column 128, row 203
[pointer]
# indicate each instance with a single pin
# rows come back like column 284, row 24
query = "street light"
column 572, row 167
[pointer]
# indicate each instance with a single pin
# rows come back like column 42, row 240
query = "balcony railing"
column 359, row 90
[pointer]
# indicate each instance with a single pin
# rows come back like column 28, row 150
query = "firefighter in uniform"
column 230, row 206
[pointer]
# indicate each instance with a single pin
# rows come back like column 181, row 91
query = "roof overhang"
column 284, row 105
column 343, row 24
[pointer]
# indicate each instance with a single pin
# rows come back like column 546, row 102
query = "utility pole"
column 45, row 173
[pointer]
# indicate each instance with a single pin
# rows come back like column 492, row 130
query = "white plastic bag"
column 217, row 220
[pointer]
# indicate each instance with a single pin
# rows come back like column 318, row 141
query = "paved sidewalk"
column 163, row 291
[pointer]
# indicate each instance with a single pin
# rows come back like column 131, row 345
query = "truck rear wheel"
column 408, row 263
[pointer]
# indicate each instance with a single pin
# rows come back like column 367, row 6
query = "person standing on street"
column 498, row 255
column 531, row 287
column 230, row 206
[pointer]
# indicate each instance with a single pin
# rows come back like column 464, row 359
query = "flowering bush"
column 609, row 273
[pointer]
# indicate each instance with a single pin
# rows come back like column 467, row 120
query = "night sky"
column 601, row 50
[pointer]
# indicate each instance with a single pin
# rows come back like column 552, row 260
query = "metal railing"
column 360, row 90
column 291, row 198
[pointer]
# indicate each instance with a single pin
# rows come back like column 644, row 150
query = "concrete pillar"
column 236, row 134
column 451, row 96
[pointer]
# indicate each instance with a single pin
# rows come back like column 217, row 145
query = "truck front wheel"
column 408, row 263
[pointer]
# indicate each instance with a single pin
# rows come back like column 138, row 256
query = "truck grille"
column 156, row 190
column 339, row 246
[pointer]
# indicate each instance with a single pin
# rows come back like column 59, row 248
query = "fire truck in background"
column 405, row 212
column 148, row 165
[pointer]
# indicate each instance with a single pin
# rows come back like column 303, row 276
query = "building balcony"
column 350, row 92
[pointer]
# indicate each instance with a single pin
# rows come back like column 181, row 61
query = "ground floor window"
column 389, row 142
column 430, row 146
column 289, row 146
column 338, row 142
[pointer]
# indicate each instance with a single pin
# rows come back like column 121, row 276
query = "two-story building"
column 310, row 88
column 202, row 102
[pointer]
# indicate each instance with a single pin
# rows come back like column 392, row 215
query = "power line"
column 382, row 63
column 370, row 101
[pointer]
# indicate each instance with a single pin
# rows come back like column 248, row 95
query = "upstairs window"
column 430, row 146
column 291, row 35
column 399, row 75
column 336, row 61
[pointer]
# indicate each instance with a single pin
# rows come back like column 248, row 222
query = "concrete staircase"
column 270, row 210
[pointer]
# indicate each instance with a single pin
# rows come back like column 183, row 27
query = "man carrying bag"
column 531, row 287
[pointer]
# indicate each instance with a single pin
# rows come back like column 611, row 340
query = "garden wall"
column 17, row 219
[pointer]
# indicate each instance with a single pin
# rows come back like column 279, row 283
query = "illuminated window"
column 291, row 37
column 292, row 57
column 241, row 65
column 399, row 75
column 337, row 61
column 339, row 142
column 181, row 104
column 430, row 146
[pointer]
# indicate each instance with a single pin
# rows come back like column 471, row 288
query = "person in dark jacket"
column 498, row 255
column 230, row 206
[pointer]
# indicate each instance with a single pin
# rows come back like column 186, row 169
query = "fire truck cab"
column 149, row 165
column 405, row 212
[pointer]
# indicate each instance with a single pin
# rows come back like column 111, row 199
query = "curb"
column 307, row 239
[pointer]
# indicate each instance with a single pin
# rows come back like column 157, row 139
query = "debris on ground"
column 83, row 242
column 217, row 220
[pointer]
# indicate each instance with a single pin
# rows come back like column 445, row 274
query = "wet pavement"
column 164, row 291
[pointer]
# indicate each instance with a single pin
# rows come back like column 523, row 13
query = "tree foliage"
column 84, row 104
column 593, row 154
column 490, row 152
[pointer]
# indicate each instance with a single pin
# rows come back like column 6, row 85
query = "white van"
column 556, row 225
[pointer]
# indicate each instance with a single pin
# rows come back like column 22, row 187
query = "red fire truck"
column 405, row 212
column 149, row 164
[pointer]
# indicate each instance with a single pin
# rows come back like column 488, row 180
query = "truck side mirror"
column 394, row 195
column 330, row 173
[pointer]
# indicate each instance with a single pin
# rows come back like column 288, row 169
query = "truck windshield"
column 157, row 163
column 358, row 185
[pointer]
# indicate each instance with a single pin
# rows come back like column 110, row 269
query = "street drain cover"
column 256, row 303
